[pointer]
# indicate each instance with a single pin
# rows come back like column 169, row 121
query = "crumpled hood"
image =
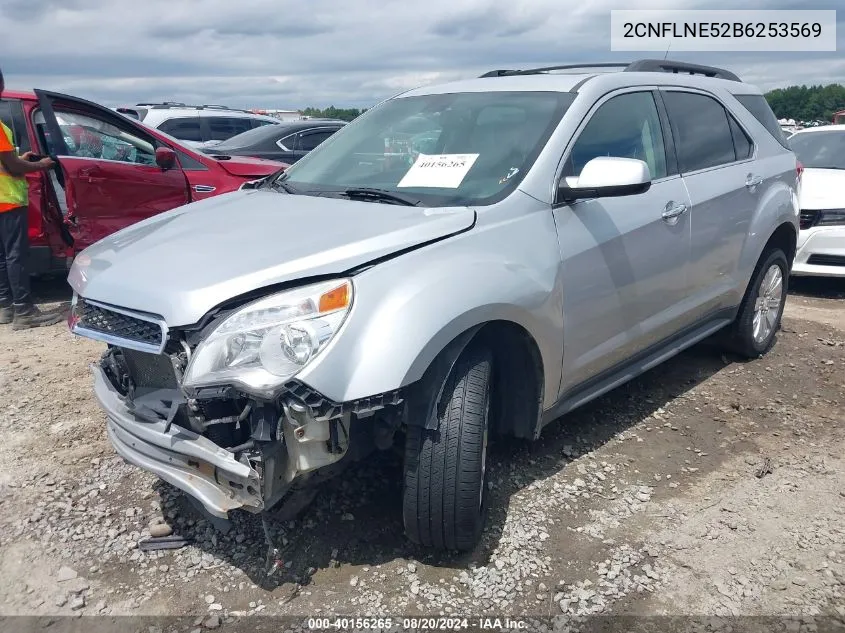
column 181, row 264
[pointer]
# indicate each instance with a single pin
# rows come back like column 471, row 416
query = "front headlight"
column 267, row 342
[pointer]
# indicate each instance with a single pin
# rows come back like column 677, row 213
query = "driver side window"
column 626, row 126
column 89, row 137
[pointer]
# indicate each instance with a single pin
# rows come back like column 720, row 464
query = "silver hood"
column 181, row 264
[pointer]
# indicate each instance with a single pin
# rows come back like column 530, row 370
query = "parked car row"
column 461, row 263
column 196, row 125
column 112, row 172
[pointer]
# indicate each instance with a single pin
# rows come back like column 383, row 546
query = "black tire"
column 445, row 493
column 740, row 337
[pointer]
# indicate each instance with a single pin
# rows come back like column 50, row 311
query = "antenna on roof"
column 667, row 51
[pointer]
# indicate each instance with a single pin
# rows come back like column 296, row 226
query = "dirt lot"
column 708, row 486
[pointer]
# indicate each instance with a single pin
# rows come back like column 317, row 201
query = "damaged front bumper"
column 181, row 457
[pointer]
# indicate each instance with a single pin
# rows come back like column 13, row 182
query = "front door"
column 624, row 259
column 108, row 170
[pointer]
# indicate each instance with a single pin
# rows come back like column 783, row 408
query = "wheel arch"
column 518, row 379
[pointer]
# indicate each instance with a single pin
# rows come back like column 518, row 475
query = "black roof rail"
column 545, row 69
column 642, row 65
column 669, row 66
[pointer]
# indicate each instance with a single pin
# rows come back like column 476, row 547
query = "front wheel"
column 445, row 494
column 753, row 332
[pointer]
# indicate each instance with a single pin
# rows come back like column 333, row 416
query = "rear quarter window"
column 759, row 108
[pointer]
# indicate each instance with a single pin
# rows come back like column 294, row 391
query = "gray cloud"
column 288, row 53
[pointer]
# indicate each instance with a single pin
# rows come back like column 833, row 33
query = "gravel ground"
column 708, row 486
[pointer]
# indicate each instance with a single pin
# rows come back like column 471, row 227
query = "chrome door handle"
column 203, row 188
column 674, row 211
column 753, row 181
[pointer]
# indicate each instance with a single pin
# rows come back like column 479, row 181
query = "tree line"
column 344, row 114
column 807, row 103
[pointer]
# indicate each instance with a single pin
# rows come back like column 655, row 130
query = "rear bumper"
column 827, row 244
column 186, row 460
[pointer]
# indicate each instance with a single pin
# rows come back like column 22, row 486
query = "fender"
column 407, row 310
column 423, row 398
column 777, row 206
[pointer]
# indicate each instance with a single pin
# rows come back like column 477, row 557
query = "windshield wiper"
column 380, row 195
column 279, row 183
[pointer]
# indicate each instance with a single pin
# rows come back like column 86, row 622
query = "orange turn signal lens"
column 335, row 299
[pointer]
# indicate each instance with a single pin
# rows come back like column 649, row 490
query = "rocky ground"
column 708, row 487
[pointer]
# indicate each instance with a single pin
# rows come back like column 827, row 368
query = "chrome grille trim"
column 80, row 328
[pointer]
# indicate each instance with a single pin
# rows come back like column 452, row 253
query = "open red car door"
column 113, row 172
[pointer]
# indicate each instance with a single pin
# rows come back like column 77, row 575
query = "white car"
column 821, row 240
column 197, row 126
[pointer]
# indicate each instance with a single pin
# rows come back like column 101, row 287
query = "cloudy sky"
column 291, row 54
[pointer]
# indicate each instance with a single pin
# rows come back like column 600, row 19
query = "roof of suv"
column 572, row 77
column 155, row 113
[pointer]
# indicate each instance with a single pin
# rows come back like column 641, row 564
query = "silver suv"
column 464, row 261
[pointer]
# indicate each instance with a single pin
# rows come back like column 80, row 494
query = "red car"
column 112, row 172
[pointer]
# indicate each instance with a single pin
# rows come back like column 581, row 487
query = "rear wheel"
column 753, row 332
column 445, row 494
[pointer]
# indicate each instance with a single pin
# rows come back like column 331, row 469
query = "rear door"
column 109, row 176
column 715, row 156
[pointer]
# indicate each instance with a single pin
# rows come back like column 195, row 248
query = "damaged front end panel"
column 224, row 447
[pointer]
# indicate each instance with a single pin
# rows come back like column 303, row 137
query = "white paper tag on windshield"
column 440, row 170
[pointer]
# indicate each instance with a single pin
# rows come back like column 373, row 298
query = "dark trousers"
column 14, row 245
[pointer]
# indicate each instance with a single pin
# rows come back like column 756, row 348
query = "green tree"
column 344, row 114
column 802, row 103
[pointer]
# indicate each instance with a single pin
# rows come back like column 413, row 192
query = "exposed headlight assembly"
column 265, row 343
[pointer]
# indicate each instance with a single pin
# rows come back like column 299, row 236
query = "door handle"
column 673, row 211
column 203, row 188
column 752, row 181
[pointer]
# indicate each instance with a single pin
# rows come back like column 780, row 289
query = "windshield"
column 820, row 150
column 441, row 149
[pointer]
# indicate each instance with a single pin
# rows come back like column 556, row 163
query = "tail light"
column 799, row 168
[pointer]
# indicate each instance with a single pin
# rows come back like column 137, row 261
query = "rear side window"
column 759, row 107
column 702, row 132
column 742, row 144
column 224, row 128
column 187, row 129
column 311, row 140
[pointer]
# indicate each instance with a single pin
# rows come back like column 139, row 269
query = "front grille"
column 826, row 260
column 808, row 218
column 150, row 371
column 99, row 319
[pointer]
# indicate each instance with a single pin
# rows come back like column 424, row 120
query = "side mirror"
column 607, row 177
column 165, row 158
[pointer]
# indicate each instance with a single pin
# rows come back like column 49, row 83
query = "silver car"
column 568, row 229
